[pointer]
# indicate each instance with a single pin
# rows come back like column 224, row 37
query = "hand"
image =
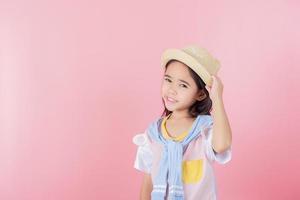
column 216, row 89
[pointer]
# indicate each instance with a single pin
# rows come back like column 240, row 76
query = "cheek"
column 162, row 91
column 189, row 96
column 163, row 88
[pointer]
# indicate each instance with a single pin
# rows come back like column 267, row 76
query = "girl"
column 177, row 150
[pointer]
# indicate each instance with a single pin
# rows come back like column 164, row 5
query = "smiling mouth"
column 170, row 100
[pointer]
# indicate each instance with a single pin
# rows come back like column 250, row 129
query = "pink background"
column 80, row 78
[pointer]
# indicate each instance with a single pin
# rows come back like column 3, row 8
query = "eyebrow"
column 166, row 75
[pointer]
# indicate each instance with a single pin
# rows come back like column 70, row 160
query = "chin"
column 169, row 109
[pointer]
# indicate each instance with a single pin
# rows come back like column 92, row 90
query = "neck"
column 180, row 115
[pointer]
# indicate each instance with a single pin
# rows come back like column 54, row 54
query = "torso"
column 197, row 175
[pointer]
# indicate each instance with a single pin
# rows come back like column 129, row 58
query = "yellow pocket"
column 192, row 171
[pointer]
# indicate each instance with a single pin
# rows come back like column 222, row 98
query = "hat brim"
column 176, row 54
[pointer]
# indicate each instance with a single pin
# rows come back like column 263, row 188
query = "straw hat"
column 197, row 58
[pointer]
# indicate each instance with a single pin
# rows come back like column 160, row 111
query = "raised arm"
column 221, row 136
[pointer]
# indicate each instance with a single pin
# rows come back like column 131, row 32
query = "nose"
column 172, row 90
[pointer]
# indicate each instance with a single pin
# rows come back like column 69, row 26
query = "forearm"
column 146, row 188
column 221, row 136
column 145, row 195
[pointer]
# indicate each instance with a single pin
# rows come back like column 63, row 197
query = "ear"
column 201, row 95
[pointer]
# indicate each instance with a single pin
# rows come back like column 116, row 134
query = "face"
column 179, row 90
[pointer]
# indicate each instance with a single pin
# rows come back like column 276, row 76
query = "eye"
column 166, row 79
column 183, row 85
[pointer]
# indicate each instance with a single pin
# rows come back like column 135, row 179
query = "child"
column 177, row 150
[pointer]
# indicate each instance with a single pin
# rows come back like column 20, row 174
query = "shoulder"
column 206, row 120
column 153, row 128
column 207, row 117
column 145, row 138
column 156, row 121
column 204, row 123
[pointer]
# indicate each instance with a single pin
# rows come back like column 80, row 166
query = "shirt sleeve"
column 221, row 158
column 143, row 159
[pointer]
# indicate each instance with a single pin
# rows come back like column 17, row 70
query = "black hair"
column 202, row 107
